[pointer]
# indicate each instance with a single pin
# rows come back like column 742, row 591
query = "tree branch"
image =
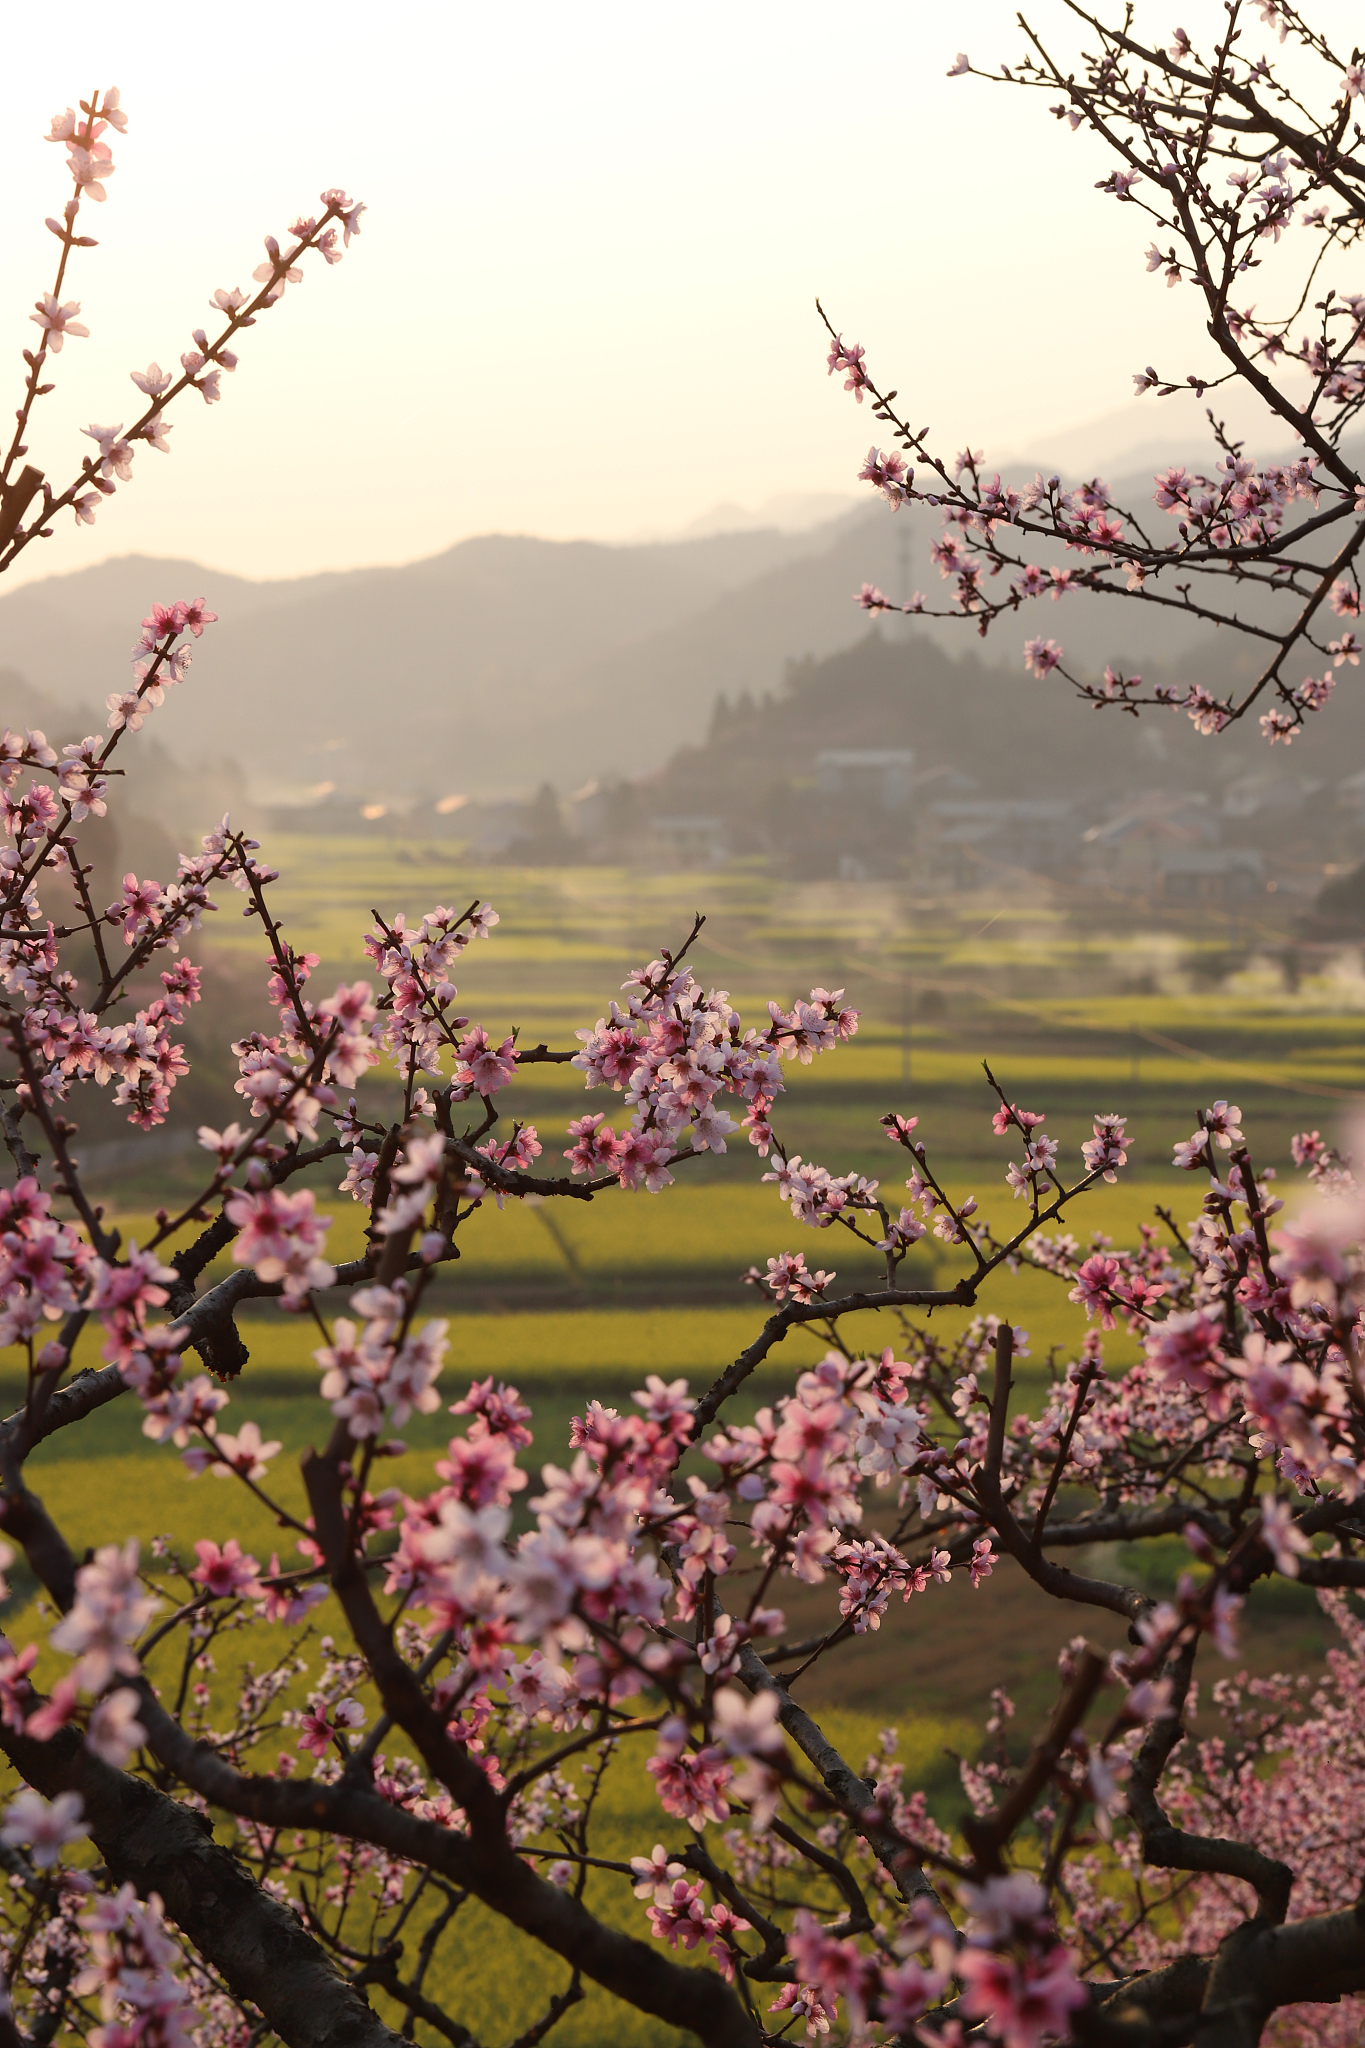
column 258, row 1945
column 988, row 1833
column 1171, row 1848
column 852, row 1794
column 795, row 1313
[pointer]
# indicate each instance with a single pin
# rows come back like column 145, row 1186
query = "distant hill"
column 815, row 775
column 459, row 671
column 506, row 662
column 1011, row 733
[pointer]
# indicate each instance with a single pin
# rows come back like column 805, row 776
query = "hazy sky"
column 582, row 303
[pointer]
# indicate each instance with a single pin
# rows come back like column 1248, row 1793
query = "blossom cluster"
column 1198, row 145
column 202, row 365
column 674, row 1051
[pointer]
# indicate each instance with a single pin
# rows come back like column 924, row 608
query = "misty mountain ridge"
column 507, row 661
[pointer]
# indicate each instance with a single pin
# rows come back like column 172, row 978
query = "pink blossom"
column 842, row 356
column 154, row 381
column 806, row 2002
column 110, row 1611
column 655, row 1875
column 689, row 1783
column 1314, row 1253
column 482, row 1068
column 1149, row 1700
column 679, row 1917
column 1282, row 1537
column 224, row 1143
column 58, row 1709
column 1223, row 1123
column 226, row 1573
column 58, row 321
column 1222, row 1620
column 281, row 1236
column 1025, row 2003
column 542, row 1691
column 246, row 1452
column 787, row 1275
column 666, row 1402
column 482, row 1467
column 1186, row 1351
column 1096, row 1282
column 596, row 1147
column 722, row 1927
column 1004, row 1908
column 116, row 454
column 502, row 1409
column 837, row 1966
column 43, row 1828
column 1014, row 1118
column 1206, row 713
column 115, row 1734
column 64, row 127
column 1041, row 655
column 746, row 1725
column 905, row 1231
column 90, row 167
column 317, row 1731
column 1104, row 1152
column 1290, row 1404
column 905, row 1991
column 888, row 473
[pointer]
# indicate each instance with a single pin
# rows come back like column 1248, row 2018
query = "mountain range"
column 507, row 661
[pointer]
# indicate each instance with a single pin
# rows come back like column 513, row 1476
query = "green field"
column 1074, row 1017
column 573, row 1301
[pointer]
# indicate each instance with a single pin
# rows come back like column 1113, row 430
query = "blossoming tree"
column 295, row 1866
column 1249, row 178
